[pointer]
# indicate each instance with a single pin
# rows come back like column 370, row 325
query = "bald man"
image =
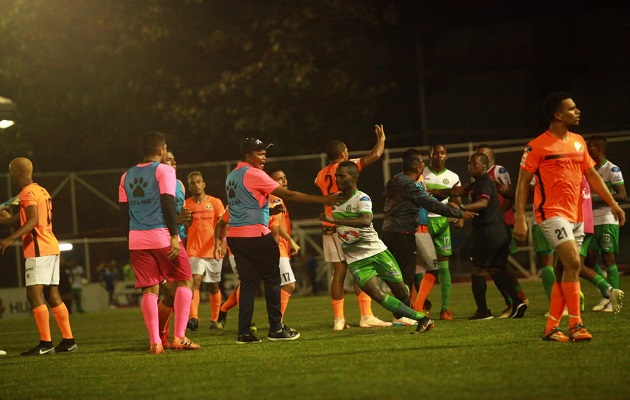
column 41, row 253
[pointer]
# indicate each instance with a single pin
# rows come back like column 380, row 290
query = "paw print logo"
column 230, row 188
column 137, row 187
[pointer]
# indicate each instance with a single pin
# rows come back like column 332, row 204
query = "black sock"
column 479, row 288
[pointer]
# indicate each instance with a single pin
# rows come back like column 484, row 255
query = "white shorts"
column 286, row 272
column 209, row 268
column 233, row 265
column 427, row 257
column 332, row 248
column 558, row 230
column 42, row 270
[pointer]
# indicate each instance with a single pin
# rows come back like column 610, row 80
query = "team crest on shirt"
column 578, row 146
column 445, row 181
column 208, row 206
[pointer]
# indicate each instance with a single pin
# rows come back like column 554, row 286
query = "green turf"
column 495, row 359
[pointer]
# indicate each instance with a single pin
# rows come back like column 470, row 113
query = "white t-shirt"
column 443, row 180
column 357, row 243
column 611, row 174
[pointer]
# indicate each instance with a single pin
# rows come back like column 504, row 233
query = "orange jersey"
column 41, row 241
column 274, row 220
column 558, row 166
column 205, row 215
column 326, row 182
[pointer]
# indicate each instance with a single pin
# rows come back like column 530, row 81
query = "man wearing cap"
column 255, row 250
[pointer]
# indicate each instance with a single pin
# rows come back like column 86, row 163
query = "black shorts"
column 490, row 246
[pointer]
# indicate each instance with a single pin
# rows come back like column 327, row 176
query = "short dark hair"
column 410, row 163
column 273, row 170
column 600, row 142
column 482, row 157
column 432, row 147
column 411, row 152
column 150, row 142
column 352, row 167
column 552, row 104
column 334, row 148
column 194, row 173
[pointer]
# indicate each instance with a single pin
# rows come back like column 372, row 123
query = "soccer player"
column 606, row 236
column 41, row 253
column 165, row 306
column 255, row 250
column 336, row 151
column 403, row 198
column 280, row 225
column 146, row 195
column 491, row 238
column 437, row 176
column 367, row 256
column 206, row 211
column 559, row 158
column 501, row 178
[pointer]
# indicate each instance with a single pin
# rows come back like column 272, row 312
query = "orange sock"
column 338, row 309
column 230, row 302
column 42, row 317
column 365, row 304
column 428, row 280
column 215, row 305
column 194, row 305
column 571, row 291
column 556, row 307
column 164, row 314
column 284, row 300
column 62, row 316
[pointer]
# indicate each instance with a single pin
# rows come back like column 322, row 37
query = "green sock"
column 598, row 269
column 397, row 307
column 548, row 279
column 613, row 276
column 601, row 284
column 444, row 275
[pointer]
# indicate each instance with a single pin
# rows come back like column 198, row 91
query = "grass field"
column 495, row 359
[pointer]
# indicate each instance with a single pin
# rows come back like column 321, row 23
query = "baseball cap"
column 253, row 144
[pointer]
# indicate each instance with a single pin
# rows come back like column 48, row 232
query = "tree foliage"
column 90, row 76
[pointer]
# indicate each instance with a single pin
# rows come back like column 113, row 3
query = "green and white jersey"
column 611, row 174
column 443, row 180
column 357, row 243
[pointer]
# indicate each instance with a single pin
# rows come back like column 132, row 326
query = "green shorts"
column 441, row 234
column 605, row 239
column 513, row 246
column 382, row 265
column 588, row 238
column 541, row 245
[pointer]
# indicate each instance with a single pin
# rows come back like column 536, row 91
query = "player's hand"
column 619, row 214
column 326, row 218
column 467, row 215
column 276, row 210
column 502, row 188
column 520, row 230
column 218, row 251
column 184, row 217
column 5, row 217
column 380, row 132
column 295, row 248
column 333, row 199
column 4, row 243
column 174, row 251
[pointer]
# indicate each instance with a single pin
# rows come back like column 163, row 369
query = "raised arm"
column 377, row 150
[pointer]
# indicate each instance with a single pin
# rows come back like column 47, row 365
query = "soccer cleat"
column 404, row 321
column 184, row 344
column 616, row 300
column 578, row 333
column 340, row 324
column 507, row 312
column 164, row 337
column 601, row 305
column 555, row 335
column 214, row 325
column 42, row 349
column 445, row 315
column 370, row 321
column 156, row 348
column 608, row 309
column 424, row 325
column 246, row 339
column 287, row 327
column 222, row 319
column 193, row 324
column 66, row 346
column 480, row 315
column 284, row 335
column 518, row 311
